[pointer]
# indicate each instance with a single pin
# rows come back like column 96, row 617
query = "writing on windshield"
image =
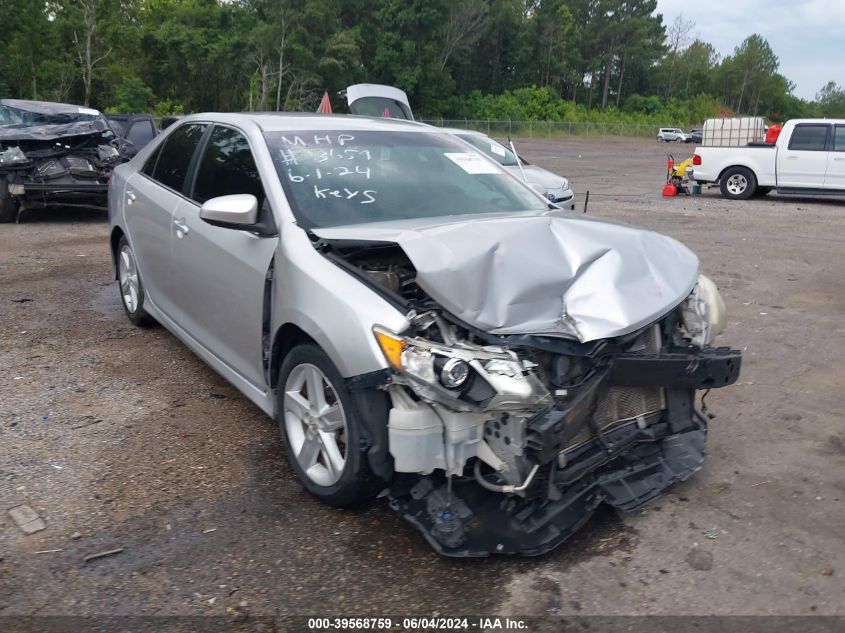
column 335, row 178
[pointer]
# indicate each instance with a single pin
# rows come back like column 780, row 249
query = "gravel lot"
column 119, row 437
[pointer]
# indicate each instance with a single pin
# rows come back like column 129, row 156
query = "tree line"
column 576, row 59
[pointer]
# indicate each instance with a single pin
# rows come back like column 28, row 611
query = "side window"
column 839, row 139
column 175, row 156
column 810, row 138
column 118, row 127
column 141, row 133
column 227, row 168
column 150, row 165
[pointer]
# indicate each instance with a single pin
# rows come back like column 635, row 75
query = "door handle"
column 181, row 228
column 791, row 158
column 130, row 197
column 839, row 159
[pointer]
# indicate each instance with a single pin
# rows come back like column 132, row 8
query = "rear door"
column 835, row 176
column 803, row 162
column 152, row 197
column 224, row 270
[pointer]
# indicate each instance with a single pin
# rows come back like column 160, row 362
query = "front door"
column 224, row 270
column 803, row 162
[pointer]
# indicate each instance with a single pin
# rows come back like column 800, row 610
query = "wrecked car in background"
column 55, row 154
column 422, row 323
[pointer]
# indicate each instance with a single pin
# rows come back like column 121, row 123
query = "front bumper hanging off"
column 624, row 467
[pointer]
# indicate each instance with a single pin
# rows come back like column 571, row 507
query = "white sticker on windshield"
column 472, row 163
column 497, row 149
column 88, row 111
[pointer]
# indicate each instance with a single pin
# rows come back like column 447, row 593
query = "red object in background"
column 670, row 163
column 772, row 133
column 696, row 159
column 325, row 104
column 669, row 190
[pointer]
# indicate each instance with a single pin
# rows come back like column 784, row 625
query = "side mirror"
column 239, row 211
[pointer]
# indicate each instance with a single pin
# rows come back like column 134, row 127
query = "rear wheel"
column 738, row 183
column 322, row 429
column 132, row 293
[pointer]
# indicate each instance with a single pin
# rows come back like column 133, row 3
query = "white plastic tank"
column 733, row 132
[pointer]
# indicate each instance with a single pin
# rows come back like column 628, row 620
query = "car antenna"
column 518, row 159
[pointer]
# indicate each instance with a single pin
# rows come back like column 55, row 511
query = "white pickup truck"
column 808, row 158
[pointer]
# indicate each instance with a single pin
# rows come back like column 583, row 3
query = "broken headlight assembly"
column 12, row 156
column 703, row 313
column 479, row 376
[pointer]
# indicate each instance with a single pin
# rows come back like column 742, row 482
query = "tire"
column 660, row 139
column 679, row 140
column 325, row 451
column 738, row 183
column 8, row 205
column 131, row 288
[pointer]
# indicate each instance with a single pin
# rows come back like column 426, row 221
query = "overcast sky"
column 808, row 36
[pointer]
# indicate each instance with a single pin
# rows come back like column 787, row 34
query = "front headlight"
column 438, row 364
column 703, row 313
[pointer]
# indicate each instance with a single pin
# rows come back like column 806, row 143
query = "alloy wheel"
column 315, row 424
column 128, row 278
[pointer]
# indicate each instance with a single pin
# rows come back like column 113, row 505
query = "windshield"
column 337, row 178
column 493, row 149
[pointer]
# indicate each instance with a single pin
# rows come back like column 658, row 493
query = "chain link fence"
column 547, row 129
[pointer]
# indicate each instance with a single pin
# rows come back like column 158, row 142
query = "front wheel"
column 322, row 429
column 738, row 183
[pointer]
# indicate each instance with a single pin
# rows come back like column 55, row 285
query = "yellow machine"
column 680, row 169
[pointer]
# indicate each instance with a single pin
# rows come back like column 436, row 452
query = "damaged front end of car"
column 55, row 155
column 507, row 443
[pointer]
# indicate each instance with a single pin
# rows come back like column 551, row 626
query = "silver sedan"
column 422, row 323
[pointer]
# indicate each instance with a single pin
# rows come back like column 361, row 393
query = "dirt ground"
column 119, row 437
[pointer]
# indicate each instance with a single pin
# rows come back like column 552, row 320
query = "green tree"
column 831, row 100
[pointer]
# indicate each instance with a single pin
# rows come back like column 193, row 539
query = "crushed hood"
column 46, row 121
column 541, row 274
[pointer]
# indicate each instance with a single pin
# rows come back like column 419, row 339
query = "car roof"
column 293, row 121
